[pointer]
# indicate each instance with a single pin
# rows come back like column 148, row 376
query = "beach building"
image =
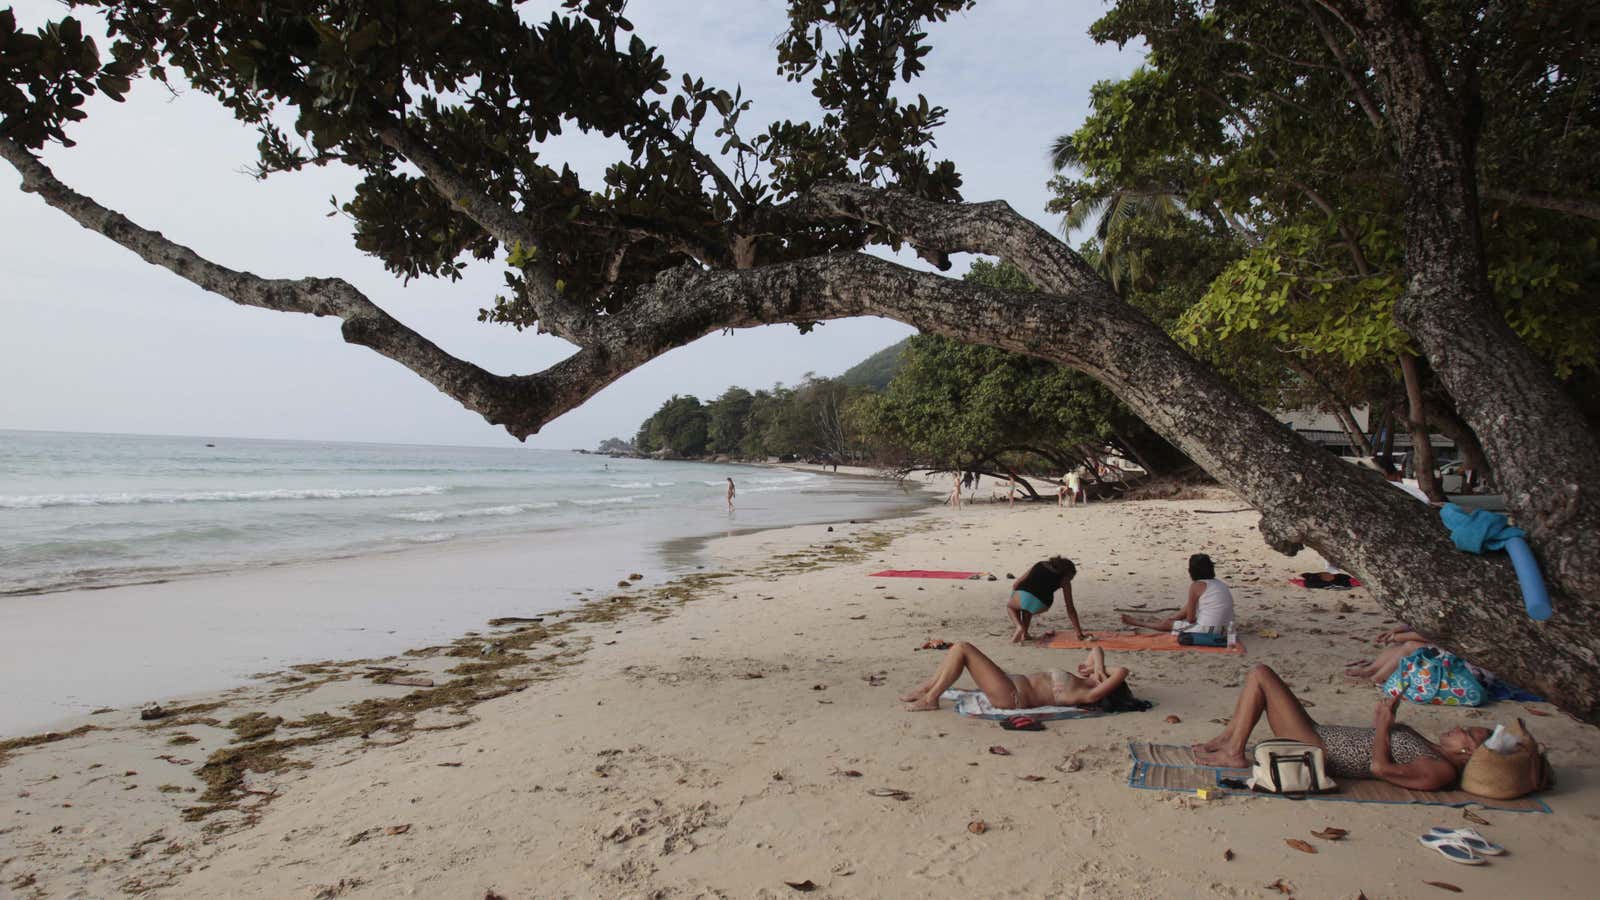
column 1324, row 430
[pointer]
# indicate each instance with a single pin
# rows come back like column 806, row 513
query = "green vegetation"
column 877, row 370
column 942, row 404
column 1248, row 128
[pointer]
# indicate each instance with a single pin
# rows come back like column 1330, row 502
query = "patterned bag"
column 1435, row 676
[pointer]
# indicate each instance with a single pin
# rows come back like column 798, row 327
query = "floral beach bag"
column 1431, row 675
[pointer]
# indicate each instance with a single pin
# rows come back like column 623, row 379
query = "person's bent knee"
column 1262, row 670
column 963, row 646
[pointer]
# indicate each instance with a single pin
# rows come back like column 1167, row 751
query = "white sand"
column 659, row 766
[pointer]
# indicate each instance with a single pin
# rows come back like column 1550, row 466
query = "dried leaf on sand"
column 1473, row 817
column 1300, row 845
column 1445, row 885
column 998, row 750
column 1227, row 855
column 1281, row 886
column 1173, row 720
column 1330, row 834
column 802, row 886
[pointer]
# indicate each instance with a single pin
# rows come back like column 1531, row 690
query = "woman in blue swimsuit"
column 1035, row 591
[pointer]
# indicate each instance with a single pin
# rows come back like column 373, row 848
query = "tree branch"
column 708, row 166
column 558, row 314
column 1573, row 206
column 520, row 402
column 1363, row 96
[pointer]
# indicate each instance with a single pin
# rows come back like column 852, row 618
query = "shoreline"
column 702, row 740
column 206, row 632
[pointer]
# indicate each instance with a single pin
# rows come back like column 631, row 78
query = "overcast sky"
column 93, row 339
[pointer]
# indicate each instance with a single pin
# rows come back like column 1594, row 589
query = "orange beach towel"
column 1129, row 640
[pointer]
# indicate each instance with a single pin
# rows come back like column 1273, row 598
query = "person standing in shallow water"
column 730, row 494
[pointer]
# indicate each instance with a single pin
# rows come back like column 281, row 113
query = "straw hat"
column 1507, row 776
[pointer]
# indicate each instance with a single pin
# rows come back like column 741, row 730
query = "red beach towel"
column 925, row 573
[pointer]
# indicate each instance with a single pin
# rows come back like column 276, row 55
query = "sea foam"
column 42, row 501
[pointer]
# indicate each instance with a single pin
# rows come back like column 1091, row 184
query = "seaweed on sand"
column 34, row 740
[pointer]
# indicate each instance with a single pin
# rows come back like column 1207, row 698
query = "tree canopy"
column 704, row 222
column 1265, row 128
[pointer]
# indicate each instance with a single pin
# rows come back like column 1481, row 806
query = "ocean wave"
column 431, row 537
column 598, row 501
column 781, row 488
column 789, row 479
column 42, row 501
column 630, row 484
column 439, row 515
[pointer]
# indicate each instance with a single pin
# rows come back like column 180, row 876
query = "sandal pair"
column 1461, row 845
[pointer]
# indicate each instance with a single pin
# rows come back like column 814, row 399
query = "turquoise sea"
column 99, row 510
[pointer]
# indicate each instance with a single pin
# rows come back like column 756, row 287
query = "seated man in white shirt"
column 1208, row 607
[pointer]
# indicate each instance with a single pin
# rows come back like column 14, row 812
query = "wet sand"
column 723, row 737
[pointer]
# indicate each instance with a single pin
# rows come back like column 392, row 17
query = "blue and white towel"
column 976, row 705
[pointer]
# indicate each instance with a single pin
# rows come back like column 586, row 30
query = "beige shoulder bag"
column 1283, row 766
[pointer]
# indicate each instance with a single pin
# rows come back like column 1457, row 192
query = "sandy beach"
column 722, row 735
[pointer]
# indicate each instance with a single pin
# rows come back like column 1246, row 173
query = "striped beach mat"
column 1171, row 767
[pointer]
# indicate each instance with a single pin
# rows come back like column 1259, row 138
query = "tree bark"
column 1572, row 206
column 1416, row 423
column 1444, row 419
column 1546, row 458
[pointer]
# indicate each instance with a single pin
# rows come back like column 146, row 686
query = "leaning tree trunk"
column 1545, row 456
column 1416, row 423
column 1443, row 418
column 1307, row 497
column 1467, row 603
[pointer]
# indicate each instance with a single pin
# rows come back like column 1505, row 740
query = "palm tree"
column 1110, row 209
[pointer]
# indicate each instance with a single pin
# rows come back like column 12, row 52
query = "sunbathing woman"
column 1402, row 641
column 1094, row 684
column 1208, row 606
column 1035, row 591
column 1394, row 753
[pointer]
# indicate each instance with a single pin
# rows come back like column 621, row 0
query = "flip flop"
column 1451, row 849
column 1022, row 723
column 1474, row 841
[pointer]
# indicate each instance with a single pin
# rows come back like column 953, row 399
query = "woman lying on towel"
column 1394, row 753
column 1209, row 605
column 1093, row 685
column 1402, row 642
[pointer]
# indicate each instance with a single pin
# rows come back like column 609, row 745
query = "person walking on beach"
column 1034, row 593
column 955, row 490
column 730, row 494
column 1072, row 487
